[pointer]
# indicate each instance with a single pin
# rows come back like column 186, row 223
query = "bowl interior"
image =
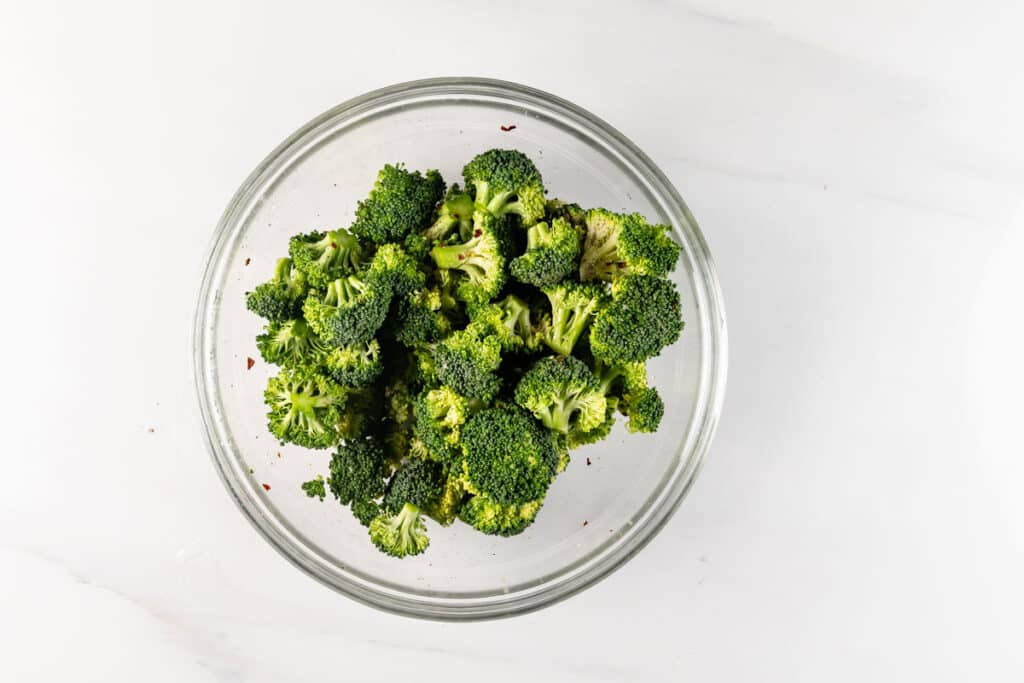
column 613, row 494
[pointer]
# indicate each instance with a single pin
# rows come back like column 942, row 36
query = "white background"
column 858, row 170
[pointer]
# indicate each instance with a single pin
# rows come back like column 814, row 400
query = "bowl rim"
column 711, row 392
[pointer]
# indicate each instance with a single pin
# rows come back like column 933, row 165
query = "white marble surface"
column 858, row 169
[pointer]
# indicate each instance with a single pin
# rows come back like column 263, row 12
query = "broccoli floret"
column 281, row 298
column 644, row 409
column 365, row 511
column 326, row 256
column 417, row 246
column 563, row 394
column 314, row 488
column 305, row 408
column 291, row 344
column 506, row 181
column 455, row 214
column 419, row 482
column 508, row 455
column 467, row 360
column 350, row 311
column 439, row 415
column 400, row 534
column 418, row 318
column 625, row 244
column 643, row 317
column 396, row 270
column 572, row 308
column 552, row 254
column 446, row 508
column 627, row 382
column 484, row 514
column 400, row 202
column 480, row 259
column 575, row 439
column 509, row 321
column 357, row 475
column 355, row 365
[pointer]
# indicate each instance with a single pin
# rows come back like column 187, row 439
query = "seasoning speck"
column 585, row 522
column 266, row 487
column 248, row 260
column 151, row 429
column 505, row 129
column 279, row 454
column 588, row 461
column 249, row 362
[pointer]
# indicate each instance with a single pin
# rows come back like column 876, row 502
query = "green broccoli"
column 625, row 244
column 395, row 269
column 418, row 319
column 627, row 382
column 486, row 515
column 399, row 530
column 577, row 217
column 508, row 455
column 509, row 321
column 467, row 360
column 575, row 439
column 350, row 311
column 281, row 298
column 643, row 317
column 400, row 202
column 563, row 394
column 357, row 472
column 439, row 415
column 355, row 365
column 291, row 344
column 400, row 534
column 506, row 181
column 455, row 214
column 446, row 508
column 644, row 409
column 572, row 308
column 420, row 482
column 305, row 408
column 552, row 254
column 480, row 258
column 326, row 256
column 315, row 487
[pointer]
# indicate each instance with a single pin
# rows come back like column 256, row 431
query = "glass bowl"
column 613, row 497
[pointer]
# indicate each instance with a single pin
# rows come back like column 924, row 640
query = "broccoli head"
column 355, row 365
column 480, row 259
column 552, row 254
column 625, row 244
column 281, row 298
column 644, row 409
column 563, row 394
column 455, row 214
column 400, row 202
column 326, row 256
column 418, row 318
column 509, row 321
column 506, row 181
column 400, row 534
column 508, row 455
column 627, row 382
column 357, row 473
column 291, row 344
column 398, row 271
column 439, row 415
column 573, row 306
column 350, row 311
column 643, row 317
column 485, row 514
column 419, row 482
column 467, row 361
column 305, row 408
column 314, row 488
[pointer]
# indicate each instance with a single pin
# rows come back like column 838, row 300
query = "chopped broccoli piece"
column 480, row 259
column 467, row 360
column 573, row 306
column 281, row 298
column 643, row 317
column 357, row 474
column 508, row 455
column 315, row 487
column 355, row 365
column 439, row 415
column 305, row 408
column 400, row 534
column 420, row 482
column 455, row 214
column 446, row 508
column 418, row 318
column 509, row 321
column 365, row 511
column 485, row 514
column 350, row 311
column 644, row 409
column 552, row 254
column 620, row 244
column 506, row 181
column 291, row 344
column 396, row 270
column 326, row 256
column 400, row 202
column 563, row 394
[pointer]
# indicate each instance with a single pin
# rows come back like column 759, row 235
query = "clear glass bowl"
column 596, row 516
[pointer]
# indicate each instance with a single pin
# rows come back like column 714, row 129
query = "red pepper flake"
column 249, row 362
column 151, row 429
column 248, row 260
column 266, row 487
column 505, row 129
column 462, row 257
column 334, row 245
column 279, row 454
column 585, row 522
column 477, row 232
column 622, row 264
column 588, row 461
